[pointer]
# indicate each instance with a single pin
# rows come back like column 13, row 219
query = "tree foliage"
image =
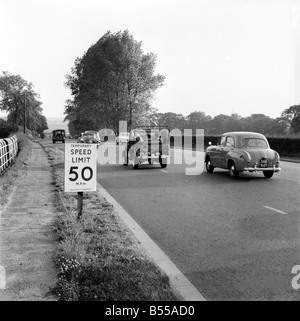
column 198, row 120
column 113, row 81
column 16, row 96
column 291, row 116
column 224, row 123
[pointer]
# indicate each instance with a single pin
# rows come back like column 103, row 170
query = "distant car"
column 122, row 138
column 242, row 151
column 58, row 135
column 80, row 138
column 89, row 137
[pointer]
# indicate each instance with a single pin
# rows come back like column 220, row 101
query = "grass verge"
column 98, row 258
column 9, row 177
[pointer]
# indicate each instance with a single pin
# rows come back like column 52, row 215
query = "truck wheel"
column 134, row 165
column 161, row 163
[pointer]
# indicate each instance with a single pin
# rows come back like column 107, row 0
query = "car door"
column 216, row 157
column 228, row 146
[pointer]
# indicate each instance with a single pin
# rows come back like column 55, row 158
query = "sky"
column 218, row 56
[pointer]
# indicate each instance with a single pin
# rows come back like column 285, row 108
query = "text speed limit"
column 80, row 167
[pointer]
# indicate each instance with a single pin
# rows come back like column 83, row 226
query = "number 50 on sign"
column 80, row 167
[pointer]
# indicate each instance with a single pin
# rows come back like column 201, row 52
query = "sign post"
column 80, row 170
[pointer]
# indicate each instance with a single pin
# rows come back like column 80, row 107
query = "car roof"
column 90, row 132
column 244, row 134
column 148, row 129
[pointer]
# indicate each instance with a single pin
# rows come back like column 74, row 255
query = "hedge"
column 289, row 147
column 6, row 130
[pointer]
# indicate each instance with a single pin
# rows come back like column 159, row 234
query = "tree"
column 42, row 124
column 198, row 120
column 218, row 124
column 113, row 81
column 12, row 89
column 292, row 117
column 15, row 92
column 262, row 124
column 172, row 120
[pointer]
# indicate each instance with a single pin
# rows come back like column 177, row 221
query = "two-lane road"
column 234, row 239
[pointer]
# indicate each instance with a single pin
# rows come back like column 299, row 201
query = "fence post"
column 8, row 151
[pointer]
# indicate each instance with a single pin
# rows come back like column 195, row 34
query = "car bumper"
column 262, row 169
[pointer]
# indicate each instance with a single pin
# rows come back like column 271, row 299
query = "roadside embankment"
column 98, row 257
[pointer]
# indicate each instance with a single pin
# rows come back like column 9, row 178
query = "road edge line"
column 178, row 281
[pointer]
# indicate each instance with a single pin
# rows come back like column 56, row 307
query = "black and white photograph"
column 150, row 153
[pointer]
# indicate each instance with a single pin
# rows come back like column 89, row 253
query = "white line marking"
column 164, row 171
column 275, row 210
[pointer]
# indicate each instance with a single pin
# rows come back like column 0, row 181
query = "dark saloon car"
column 242, row 151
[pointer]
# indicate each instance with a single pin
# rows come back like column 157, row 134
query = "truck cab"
column 147, row 145
column 58, row 135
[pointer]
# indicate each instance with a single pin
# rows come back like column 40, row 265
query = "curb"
column 179, row 283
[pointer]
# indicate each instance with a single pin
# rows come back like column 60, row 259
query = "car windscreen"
column 254, row 143
column 89, row 135
column 59, row 132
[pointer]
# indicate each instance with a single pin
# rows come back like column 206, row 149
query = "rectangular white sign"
column 80, row 167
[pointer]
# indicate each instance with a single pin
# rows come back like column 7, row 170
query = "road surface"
column 234, row 239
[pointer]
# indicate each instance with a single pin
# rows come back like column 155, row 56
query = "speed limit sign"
column 80, row 167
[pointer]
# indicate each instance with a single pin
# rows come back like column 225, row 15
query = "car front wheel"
column 162, row 165
column 209, row 167
column 232, row 170
column 268, row 174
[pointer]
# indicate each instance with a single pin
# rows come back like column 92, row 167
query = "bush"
column 285, row 146
column 9, row 177
column 6, row 130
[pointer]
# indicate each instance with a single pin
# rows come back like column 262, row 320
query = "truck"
column 58, row 135
column 147, row 145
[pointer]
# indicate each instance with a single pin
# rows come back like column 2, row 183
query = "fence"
column 8, row 151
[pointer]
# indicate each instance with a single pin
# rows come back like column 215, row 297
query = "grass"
column 98, row 258
column 9, row 177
